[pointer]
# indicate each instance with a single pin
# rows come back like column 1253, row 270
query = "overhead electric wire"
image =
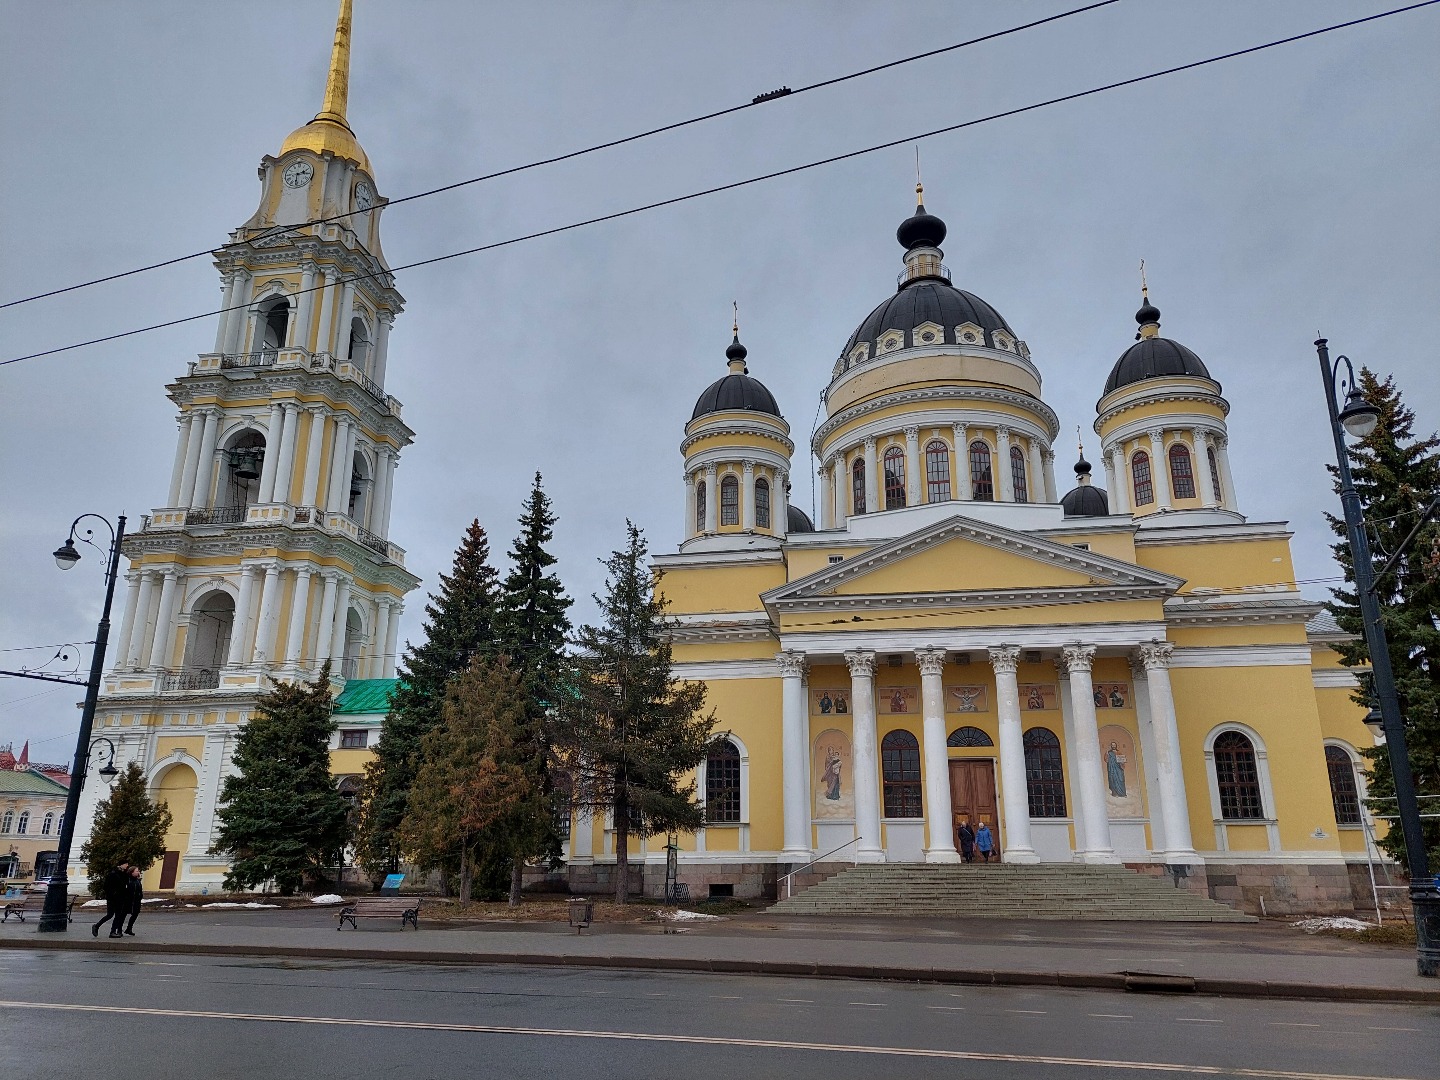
column 734, row 185
column 762, row 99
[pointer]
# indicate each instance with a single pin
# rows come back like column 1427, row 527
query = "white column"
column 1052, row 494
column 164, row 620
column 1112, row 478
column 313, row 449
column 299, row 604
column 1179, row 848
column 392, row 641
column 382, row 633
column 1098, row 849
column 794, row 734
column 840, row 477
column 269, row 615
column 347, row 312
column 827, row 498
column 1228, row 498
column 240, row 628
column 382, row 346
column 1200, row 440
column 691, row 507
column 1002, row 453
column 1036, row 485
column 1072, row 770
column 285, row 467
column 913, row 476
column 337, row 631
column 205, row 460
column 780, row 503
column 865, row 755
column 938, row 817
column 712, row 500
column 235, row 324
column 1014, row 791
column 962, row 463
column 182, row 453
column 873, row 486
column 1118, row 465
column 1154, row 798
column 1159, row 468
column 227, row 298
column 747, row 496
column 127, row 625
column 380, row 501
column 306, row 315
column 392, row 463
column 143, row 609
column 325, row 339
column 274, row 433
column 342, row 454
column 326, row 623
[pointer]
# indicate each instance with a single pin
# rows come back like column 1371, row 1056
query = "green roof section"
column 26, row 782
column 365, row 696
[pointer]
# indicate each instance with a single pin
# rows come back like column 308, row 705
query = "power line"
column 611, row 144
column 720, row 188
column 37, row 648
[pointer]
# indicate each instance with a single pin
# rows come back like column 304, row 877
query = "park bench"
column 405, row 909
column 21, row 905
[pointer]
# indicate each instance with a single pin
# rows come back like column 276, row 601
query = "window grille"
column 969, row 736
column 1215, row 474
column 1182, row 476
column 1238, row 778
column 1017, row 474
column 47, row 825
column 762, row 503
column 894, row 478
column 722, row 784
column 900, row 762
column 1044, row 773
column 1344, row 792
column 23, row 825
column 1144, row 487
column 354, row 740
column 982, row 480
column 700, row 506
column 937, row 472
column 857, row 486
column 729, row 501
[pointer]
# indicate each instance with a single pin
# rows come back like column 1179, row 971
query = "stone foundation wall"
column 1394, row 903
column 1284, row 888
column 1190, row 878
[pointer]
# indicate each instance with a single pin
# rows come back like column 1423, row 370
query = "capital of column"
column 962, row 432
column 792, row 664
column 1221, row 441
column 1061, row 667
column 870, row 445
column 861, row 663
column 748, row 468
column 1156, row 654
column 912, row 434
column 1157, row 436
column 1002, row 435
column 710, row 470
column 931, row 661
column 1049, row 455
column 1078, row 657
column 689, row 479
column 1005, row 659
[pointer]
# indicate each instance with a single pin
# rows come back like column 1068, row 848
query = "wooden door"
column 972, row 795
column 169, row 868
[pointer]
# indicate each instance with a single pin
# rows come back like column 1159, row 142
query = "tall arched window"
column 937, row 472
column 1017, row 474
column 1238, row 778
column 857, row 485
column 1344, row 791
column 274, row 324
column 982, row 479
column 1215, row 474
column 722, row 784
column 7, row 821
column 729, row 500
column 762, row 503
column 1182, row 474
column 900, row 765
column 47, row 826
column 700, row 506
column 894, row 478
column 23, row 825
column 1140, row 470
column 1044, row 776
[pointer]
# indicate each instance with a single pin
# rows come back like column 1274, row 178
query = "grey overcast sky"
column 1270, row 196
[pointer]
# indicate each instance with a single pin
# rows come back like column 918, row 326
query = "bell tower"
column 271, row 553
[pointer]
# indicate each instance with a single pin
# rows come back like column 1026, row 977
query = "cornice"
column 947, row 392
column 1158, row 390
column 737, row 427
column 1234, row 610
column 875, row 361
column 1240, row 530
column 973, row 598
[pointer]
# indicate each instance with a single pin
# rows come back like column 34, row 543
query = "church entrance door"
column 972, row 795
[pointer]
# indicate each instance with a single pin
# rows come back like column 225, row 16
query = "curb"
column 1126, row 981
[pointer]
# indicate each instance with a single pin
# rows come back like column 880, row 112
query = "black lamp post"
column 55, row 917
column 1359, row 419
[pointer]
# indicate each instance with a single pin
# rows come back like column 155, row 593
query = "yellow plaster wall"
column 177, row 790
column 732, row 587
column 350, row 762
column 1221, row 563
column 750, row 708
column 804, row 561
column 165, row 745
column 1037, row 615
column 726, row 650
column 932, row 370
column 960, row 564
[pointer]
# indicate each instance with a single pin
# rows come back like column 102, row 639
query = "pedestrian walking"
column 966, row 835
column 117, row 890
column 985, row 843
column 133, row 896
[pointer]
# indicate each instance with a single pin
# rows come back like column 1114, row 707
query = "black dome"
column 735, row 392
column 1154, row 358
column 798, row 521
column 1086, row 500
column 921, row 230
column 928, row 300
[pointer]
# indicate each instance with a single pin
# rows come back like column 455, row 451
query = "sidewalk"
column 1264, row 960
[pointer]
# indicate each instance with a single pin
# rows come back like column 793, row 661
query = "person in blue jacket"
column 985, row 842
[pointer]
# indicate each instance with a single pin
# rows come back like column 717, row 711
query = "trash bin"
column 582, row 912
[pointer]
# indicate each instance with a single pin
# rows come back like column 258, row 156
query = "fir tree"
column 460, row 624
column 1397, row 475
column 533, row 631
column 281, row 817
column 633, row 732
column 128, row 828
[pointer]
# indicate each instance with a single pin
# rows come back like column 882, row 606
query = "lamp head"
column 1375, row 722
column 1358, row 417
column 66, row 556
column 108, row 771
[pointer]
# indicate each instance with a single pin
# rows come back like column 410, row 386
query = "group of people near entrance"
column 122, row 901
column 976, row 841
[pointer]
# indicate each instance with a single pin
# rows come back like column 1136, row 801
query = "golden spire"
column 1079, row 441
column 337, row 84
column 330, row 130
column 1144, row 288
column 919, row 186
column 736, row 327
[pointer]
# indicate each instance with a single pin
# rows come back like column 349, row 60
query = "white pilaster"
column 840, row 477
column 299, row 606
column 1179, row 848
column 1002, row 465
column 939, row 819
column 1200, row 440
column 326, row 623
column 712, row 500
column 285, row 467
column 274, row 435
column 864, row 753
column 236, row 316
column 747, row 496
column 182, row 448
column 240, row 628
column 873, row 486
column 691, row 507
column 1154, row 797
column 1118, row 467
column 827, row 497
column 265, row 627
column 380, row 499
column 337, row 631
column 1052, row 493
column 392, row 640
column 314, row 447
column 1072, row 767
column 1228, row 498
column 347, row 312
column 1035, row 482
column 165, row 621
column 382, row 346
column 205, row 461
column 382, row 632
column 140, row 630
column 1098, row 848
column 1014, row 791
column 325, row 340
column 226, row 300
column 962, row 463
column 913, row 475
column 341, row 455
column 1159, row 468
column 780, row 504
column 794, row 733
column 306, row 315
column 127, row 625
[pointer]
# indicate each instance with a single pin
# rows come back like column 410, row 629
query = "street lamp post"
column 1358, row 418
column 55, row 917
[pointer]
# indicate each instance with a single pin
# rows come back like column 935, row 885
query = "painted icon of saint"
column 966, row 696
column 826, row 704
column 1115, row 771
column 1036, row 698
column 1100, row 701
column 897, row 701
column 831, row 777
column 1117, row 698
column 842, row 703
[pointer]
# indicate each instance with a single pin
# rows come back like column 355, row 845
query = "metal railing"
column 375, row 389
column 372, row 541
column 907, row 274
column 216, row 515
column 263, row 358
column 812, row 862
column 196, row 679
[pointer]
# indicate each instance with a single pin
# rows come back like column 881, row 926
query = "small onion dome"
column 1152, row 356
column 798, row 521
column 921, row 229
column 1148, row 313
column 1085, row 499
column 736, row 390
column 736, row 351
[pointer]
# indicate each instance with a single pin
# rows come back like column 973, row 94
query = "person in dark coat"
column 966, row 835
column 133, row 896
column 116, row 889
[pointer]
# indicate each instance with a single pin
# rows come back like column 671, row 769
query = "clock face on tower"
column 364, row 196
column 298, row 173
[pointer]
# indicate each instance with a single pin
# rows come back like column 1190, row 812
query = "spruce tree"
column 1397, row 475
column 128, row 828
column 460, row 624
column 533, row 631
column 281, row 816
column 633, row 732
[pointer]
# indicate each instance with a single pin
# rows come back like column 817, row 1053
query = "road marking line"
column 1284, row 1023
column 1112, row 1016
column 947, row 1008
column 1393, row 1029
column 1029, row 1012
column 868, row 1004
column 801, row 1001
column 701, row 1040
column 1196, row 1020
column 725, row 997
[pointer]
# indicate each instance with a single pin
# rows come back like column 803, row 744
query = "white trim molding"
column 1267, row 791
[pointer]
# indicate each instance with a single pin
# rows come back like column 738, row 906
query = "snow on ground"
column 93, row 903
column 683, row 916
column 1332, row 922
column 327, row 898
column 230, row 904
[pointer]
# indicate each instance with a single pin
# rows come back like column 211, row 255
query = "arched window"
column 700, row 506
column 762, row 503
column 729, row 500
column 1215, row 474
column 207, row 644
column 857, row 485
column 361, row 486
column 982, row 480
column 275, row 321
column 1017, row 474
column 60, row 824
column 358, row 347
column 969, row 736
column 937, row 472
column 23, row 825
column 722, row 784
column 1238, row 778
column 1140, row 470
column 1182, row 475
column 1044, row 776
column 894, row 478
column 7, row 821
column 47, row 825
column 1344, row 792
column 900, row 764
column 241, row 465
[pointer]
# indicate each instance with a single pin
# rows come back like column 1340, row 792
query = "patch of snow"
column 154, row 900
column 680, row 915
column 327, row 898
column 231, row 904
column 1332, row 922
column 93, row 903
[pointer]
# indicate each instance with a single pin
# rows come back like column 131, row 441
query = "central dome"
column 928, row 300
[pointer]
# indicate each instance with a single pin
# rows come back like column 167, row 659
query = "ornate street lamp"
column 55, row 917
column 108, row 770
column 1359, row 418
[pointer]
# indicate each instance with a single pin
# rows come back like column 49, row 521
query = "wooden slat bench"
column 20, row 906
column 405, row 909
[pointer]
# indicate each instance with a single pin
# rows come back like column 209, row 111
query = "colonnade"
column 1201, row 443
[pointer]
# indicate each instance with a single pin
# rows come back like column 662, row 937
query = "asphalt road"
column 165, row 1017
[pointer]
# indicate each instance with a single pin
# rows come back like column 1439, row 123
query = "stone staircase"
column 1005, row 891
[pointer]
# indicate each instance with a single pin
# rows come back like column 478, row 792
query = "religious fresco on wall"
column 966, row 699
column 1112, row 695
column 828, row 702
column 1120, row 761
column 897, row 700
column 832, row 781
column 1037, row 697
